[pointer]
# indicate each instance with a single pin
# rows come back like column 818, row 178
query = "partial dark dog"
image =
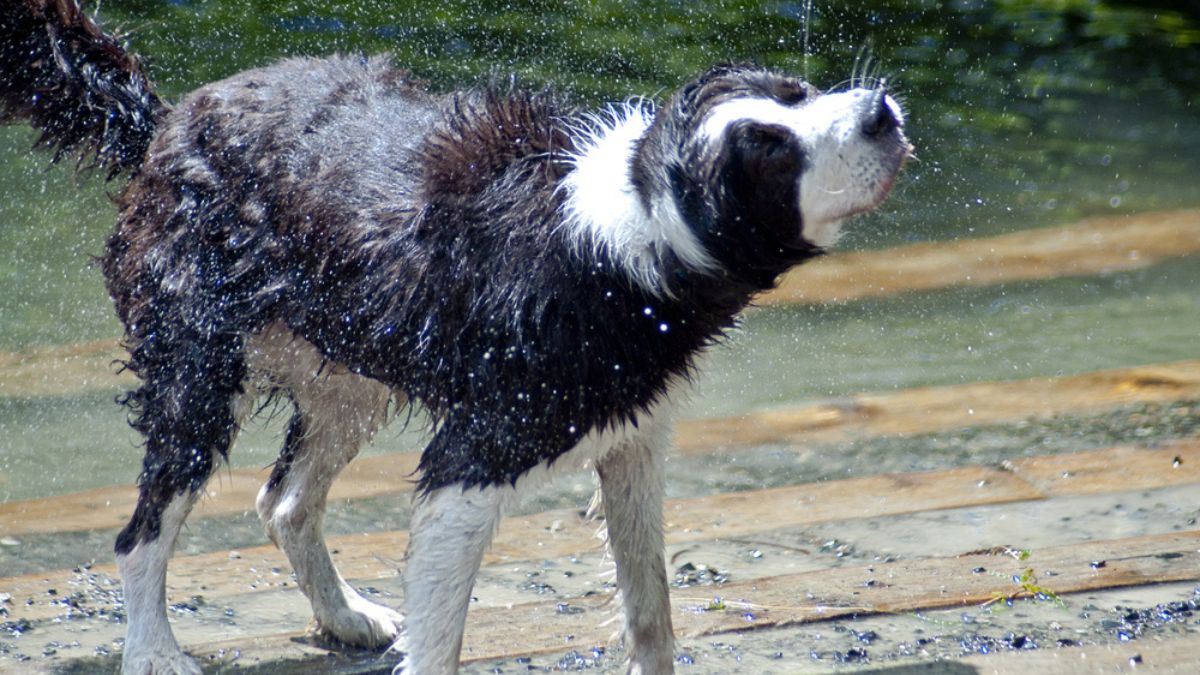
column 540, row 281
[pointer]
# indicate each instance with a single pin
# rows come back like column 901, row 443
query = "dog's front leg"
column 631, row 485
column 451, row 529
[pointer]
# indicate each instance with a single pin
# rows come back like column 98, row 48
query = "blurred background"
column 1025, row 115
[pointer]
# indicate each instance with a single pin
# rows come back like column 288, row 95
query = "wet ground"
column 81, row 618
column 692, row 476
column 929, row 642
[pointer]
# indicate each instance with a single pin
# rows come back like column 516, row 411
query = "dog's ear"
column 763, row 163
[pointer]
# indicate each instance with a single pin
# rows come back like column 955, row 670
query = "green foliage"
column 605, row 49
column 1030, row 589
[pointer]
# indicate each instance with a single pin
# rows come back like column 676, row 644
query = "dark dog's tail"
column 61, row 73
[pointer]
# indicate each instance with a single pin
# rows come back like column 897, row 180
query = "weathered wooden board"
column 907, row 412
column 1121, row 468
column 904, row 586
column 62, row 370
column 565, row 532
column 1092, row 246
column 927, row 409
column 1179, row 654
column 229, row 491
column 561, row 533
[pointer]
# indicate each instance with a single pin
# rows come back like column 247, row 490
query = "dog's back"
column 250, row 177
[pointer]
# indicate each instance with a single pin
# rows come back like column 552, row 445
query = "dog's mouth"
column 881, row 123
column 855, row 162
column 891, row 164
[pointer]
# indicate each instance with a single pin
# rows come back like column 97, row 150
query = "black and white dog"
column 538, row 280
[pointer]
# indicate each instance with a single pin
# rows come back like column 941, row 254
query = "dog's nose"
column 878, row 117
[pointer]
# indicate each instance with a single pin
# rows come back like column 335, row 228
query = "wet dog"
column 538, row 280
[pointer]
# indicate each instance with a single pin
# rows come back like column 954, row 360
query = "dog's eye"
column 791, row 92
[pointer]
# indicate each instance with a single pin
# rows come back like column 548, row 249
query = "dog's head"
column 762, row 168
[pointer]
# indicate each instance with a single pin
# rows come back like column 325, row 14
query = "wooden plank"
column 1174, row 654
column 912, row 411
column 562, row 533
column 902, row 586
column 63, row 370
column 230, row 491
column 931, row 583
column 898, row 587
column 1093, row 246
column 1116, row 469
column 928, row 409
column 557, row 534
column 1179, row 653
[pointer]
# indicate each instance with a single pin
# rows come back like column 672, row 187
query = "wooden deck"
column 1091, row 556
column 802, row 586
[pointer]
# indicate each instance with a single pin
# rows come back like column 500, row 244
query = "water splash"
column 807, row 31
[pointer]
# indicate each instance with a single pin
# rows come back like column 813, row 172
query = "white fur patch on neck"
column 604, row 212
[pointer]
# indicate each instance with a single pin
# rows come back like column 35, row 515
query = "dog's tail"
column 61, row 73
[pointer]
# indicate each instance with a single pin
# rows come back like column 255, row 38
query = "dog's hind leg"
column 336, row 412
column 631, row 486
column 451, row 528
column 150, row 646
column 185, row 409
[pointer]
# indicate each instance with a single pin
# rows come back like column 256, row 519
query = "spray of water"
column 807, row 30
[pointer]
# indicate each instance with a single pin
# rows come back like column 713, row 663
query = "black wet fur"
column 64, row 76
column 292, row 443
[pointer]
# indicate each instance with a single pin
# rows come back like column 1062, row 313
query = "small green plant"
column 1029, row 588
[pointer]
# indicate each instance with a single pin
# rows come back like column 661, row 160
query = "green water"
column 1009, row 331
column 1025, row 114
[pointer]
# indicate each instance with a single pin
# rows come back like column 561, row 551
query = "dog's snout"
column 878, row 117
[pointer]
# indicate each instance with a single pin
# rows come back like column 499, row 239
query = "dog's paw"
column 156, row 663
column 362, row 623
